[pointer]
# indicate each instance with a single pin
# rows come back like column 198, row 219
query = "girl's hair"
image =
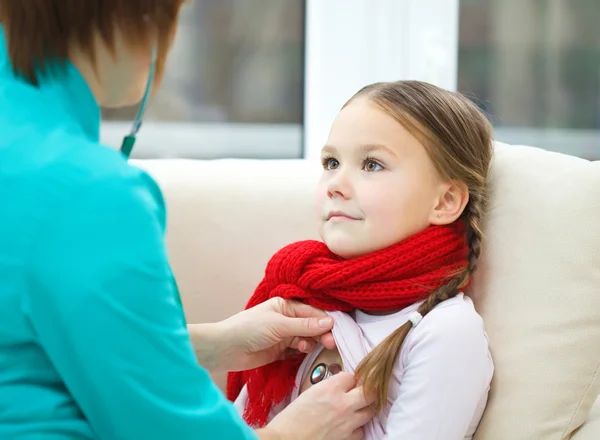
column 458, row 139
column 42, row 31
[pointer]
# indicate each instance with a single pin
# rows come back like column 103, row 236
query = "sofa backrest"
column 537, row 287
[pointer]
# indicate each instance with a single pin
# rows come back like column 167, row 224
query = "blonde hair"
column 458, row 139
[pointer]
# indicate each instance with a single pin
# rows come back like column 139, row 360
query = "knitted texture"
column 385, row 280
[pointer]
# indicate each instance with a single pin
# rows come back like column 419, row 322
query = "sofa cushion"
column 538, row 290
column 591, row 428
column 226, row 219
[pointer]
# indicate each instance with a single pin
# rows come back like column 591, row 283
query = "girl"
column 399, row 207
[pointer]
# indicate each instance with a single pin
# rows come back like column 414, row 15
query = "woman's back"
column 44, row 167
column 93, row 341
column 37, row 163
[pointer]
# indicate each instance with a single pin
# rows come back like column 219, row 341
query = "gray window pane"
column 534, row 66
column 233, row 61
column 235, row 78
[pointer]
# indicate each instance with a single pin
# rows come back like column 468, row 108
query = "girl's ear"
column 450, row 204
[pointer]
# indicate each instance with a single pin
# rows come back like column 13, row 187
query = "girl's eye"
column 329, row 163
column 370, row 165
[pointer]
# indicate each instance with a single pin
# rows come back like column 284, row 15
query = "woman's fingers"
column 328, row 341
column 359, row 400
column 358, row 434
column 364, row 416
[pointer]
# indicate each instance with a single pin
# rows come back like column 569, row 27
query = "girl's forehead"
column 363, row 149
column 363, row 126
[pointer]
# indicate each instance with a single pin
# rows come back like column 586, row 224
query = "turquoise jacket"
column 93, row 340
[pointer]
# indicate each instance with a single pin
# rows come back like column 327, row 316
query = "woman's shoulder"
column 95, row 213
column 81, row 180
column 70, row 168
column 99, row 174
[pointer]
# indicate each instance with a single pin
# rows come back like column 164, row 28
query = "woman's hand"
column 331, row 410
column 261, row 335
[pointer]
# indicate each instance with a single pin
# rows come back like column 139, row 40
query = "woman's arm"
column 206, row 339
column 106, row 310
column 238, row 343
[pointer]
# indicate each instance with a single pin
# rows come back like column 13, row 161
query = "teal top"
column 93, row 340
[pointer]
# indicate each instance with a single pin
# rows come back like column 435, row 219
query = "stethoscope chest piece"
column 323, row 371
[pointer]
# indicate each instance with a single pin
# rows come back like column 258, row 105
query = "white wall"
column 351, row 43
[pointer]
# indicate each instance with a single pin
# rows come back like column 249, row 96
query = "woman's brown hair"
column 42, row 31
column 458, row 140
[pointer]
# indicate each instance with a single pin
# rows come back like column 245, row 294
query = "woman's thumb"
column 307, row 327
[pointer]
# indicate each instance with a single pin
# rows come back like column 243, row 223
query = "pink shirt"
column 440, row 384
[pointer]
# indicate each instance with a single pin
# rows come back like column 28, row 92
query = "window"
column 352, row 43
column 234, row 85
column 265, row 78
column 534, row 66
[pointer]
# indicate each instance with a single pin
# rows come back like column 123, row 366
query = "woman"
column 93, row 341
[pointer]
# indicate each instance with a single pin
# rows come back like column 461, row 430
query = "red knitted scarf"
column 386, row 280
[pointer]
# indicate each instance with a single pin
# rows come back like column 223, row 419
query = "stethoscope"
column 129, row 140
column 323, row 371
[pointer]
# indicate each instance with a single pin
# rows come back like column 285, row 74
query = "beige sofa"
column 538, row 287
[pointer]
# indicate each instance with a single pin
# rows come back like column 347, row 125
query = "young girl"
column 399, row 207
